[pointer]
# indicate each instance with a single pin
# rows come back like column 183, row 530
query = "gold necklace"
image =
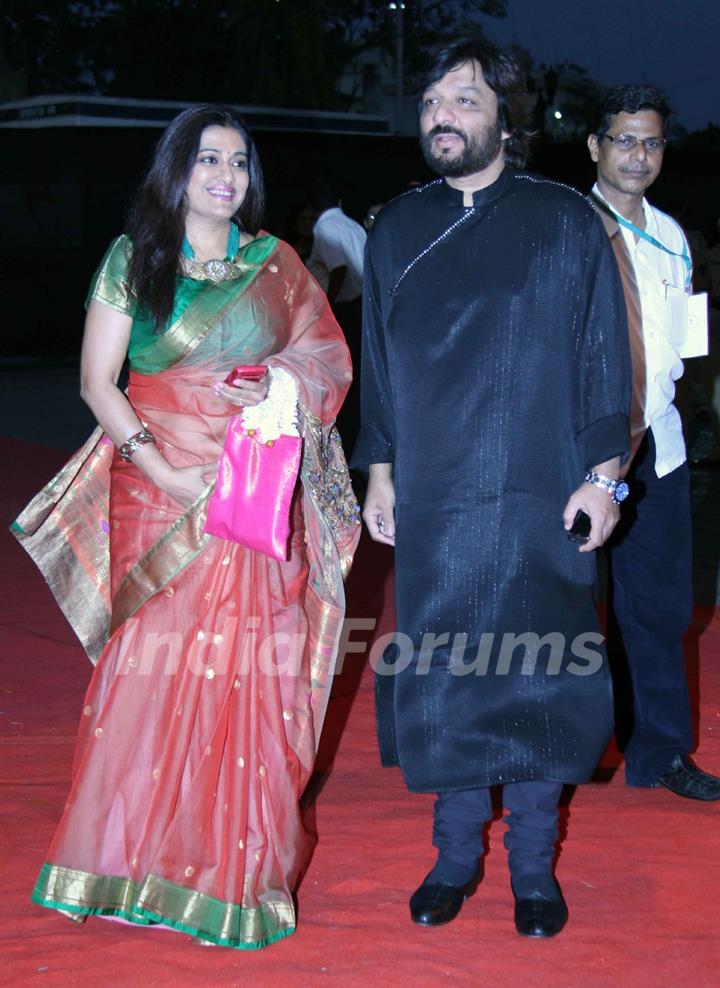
column 216, row 270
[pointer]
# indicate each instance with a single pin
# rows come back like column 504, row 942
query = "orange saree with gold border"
column 214, row 663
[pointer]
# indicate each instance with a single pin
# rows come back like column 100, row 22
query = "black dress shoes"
column 686, row 779
column 538, row 916
column 435, row 903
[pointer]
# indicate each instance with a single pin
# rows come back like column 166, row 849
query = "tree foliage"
column 708, row 138
column 52, row 42
column 354, row 26
column 276, row 52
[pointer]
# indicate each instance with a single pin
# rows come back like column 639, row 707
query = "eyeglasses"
column 626, row 142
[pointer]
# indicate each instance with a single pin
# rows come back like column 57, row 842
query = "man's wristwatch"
column 617, row 489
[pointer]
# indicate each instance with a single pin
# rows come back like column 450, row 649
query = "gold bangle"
column 133, row 444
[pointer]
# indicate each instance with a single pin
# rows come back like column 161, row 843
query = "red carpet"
column 639, row 868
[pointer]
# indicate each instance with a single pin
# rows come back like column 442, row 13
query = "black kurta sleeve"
column 602, row 427
column 376, row 442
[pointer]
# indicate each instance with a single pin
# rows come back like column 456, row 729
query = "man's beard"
column 475, row 157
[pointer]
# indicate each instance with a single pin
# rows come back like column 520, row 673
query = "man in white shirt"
column 336, row 261
column 651, row 549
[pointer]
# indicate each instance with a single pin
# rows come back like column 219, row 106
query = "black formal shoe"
column 538, row 916
column 435, row 903
column 686, row 779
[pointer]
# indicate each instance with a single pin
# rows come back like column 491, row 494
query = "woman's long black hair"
column 156, row 219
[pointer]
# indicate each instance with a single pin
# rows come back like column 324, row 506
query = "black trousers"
column 651, row 565
column 532, row 826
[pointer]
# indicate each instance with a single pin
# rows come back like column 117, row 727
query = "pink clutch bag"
column 254, row 490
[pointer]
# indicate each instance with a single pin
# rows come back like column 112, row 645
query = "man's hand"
column 379, row 507
column 604, row 514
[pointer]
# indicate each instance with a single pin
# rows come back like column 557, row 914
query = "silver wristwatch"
column 617, row 489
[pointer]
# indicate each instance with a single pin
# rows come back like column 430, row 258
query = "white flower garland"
column 277, row 415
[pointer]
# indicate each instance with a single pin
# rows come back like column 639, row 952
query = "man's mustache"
column 445, row 129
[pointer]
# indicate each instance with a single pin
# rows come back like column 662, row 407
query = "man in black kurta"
column 495, row 378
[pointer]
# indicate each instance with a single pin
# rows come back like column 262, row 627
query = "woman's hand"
column 246, row 393
column 185, row 484
column 105, row 344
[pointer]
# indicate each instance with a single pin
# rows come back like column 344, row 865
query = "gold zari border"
column 180, row 544
column 155, row 900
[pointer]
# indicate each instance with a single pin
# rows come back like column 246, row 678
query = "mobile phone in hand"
column 580, row 531
column 246, row 372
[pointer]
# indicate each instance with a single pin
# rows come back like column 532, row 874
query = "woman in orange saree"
column 214, row 662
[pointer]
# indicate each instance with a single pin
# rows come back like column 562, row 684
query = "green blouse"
column 110, row 286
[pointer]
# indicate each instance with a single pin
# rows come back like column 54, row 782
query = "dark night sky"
column 673, row 43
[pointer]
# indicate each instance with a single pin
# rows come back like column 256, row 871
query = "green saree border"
column 156, row 900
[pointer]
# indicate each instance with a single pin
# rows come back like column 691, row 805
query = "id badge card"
column 696, row 341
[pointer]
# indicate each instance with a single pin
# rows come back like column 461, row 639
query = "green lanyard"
column 650, row 239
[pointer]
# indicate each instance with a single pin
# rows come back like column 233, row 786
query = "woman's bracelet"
column 133, row 444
